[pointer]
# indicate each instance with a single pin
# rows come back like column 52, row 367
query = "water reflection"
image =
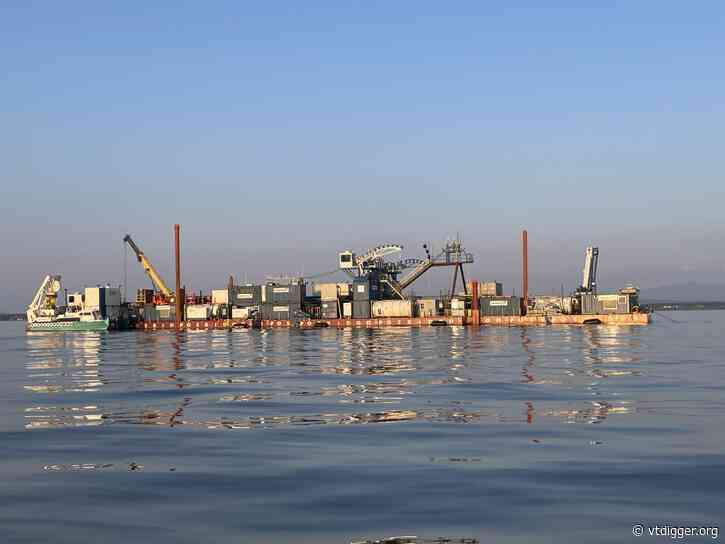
column 244, row 379
column 61, row 362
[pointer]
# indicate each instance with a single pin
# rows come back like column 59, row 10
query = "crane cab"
column 346, row 260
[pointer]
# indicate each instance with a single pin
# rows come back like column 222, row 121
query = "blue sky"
column 278, row 133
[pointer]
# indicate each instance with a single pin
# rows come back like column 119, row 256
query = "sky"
column 280, row 133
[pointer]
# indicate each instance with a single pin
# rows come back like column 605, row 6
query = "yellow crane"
column 149, row 269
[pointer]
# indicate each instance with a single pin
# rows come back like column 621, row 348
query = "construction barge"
column 378, row 323
column 374, row 296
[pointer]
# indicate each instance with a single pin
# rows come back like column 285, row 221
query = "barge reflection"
column 266, row 379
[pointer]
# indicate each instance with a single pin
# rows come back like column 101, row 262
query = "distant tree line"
column 12, row 317
column 670, row 306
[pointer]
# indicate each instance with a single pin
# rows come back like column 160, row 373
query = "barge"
column 377, row 323
column 375, row 295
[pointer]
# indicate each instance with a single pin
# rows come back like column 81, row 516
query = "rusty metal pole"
column 525, row 286
column 475, row 311
column 179, row 295
column 230, row 290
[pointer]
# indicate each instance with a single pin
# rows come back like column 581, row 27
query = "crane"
column 149, row 269
column 372, row 262
column 45, row 299
column 589, row 273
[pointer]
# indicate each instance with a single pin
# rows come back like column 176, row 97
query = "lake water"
column 548, row 434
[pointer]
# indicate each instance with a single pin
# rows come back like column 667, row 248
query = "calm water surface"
column 548, row 434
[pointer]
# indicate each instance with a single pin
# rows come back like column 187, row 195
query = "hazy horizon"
column 278, row 136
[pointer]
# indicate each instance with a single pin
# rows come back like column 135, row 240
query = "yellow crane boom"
column 148, row 268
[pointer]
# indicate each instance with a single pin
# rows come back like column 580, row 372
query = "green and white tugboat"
column 44, row 314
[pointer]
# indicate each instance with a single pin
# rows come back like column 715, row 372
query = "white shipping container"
column 490, row 288
column 198, row 311
column 427, row 307
column 92, row 298
column 220, row 296
column 328, row 291
column 240, row 313
column 458, row 304
column 392, row 308
column 111, row 297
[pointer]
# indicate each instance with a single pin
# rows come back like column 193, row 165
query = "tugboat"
column 44, row 315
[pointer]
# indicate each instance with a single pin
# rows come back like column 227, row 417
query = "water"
column 545, row 434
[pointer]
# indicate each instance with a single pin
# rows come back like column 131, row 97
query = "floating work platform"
column 383, row 322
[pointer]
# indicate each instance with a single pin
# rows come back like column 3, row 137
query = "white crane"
column 373, row 258
column 589, row 273
column 45, row 299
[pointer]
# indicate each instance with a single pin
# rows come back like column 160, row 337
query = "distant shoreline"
column 683, row 306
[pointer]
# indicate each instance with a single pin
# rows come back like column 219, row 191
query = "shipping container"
column 392, row 308
column 328, row 309
column 113, row 296
column 347, row 309
column 490, row 288
column 615, row 304
column 428, row 307
column 589, row 304
column 150, row 313
column 242, row 296
column 329, row 291
column 366, row 289
column 240, row 313
column 501, row 306
column 458, row 307
column 361, row 309
column 487, row 288
column 220, row 296
column 284, row 294
column 166, row 311
column 281, row 311
column 198, row 311
column 104, row 300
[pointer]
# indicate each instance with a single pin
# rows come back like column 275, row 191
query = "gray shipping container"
column 366, row 290
column 150, row 313
column 242, row 296
column 499, row 306
column 590, row 305
column 281, row 311
column 284, row 294
column 361, row 309
column 328, row 309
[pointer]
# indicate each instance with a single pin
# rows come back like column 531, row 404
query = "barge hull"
column 384, row 322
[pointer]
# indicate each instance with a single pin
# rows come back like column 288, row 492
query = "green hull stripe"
column 98, row 325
